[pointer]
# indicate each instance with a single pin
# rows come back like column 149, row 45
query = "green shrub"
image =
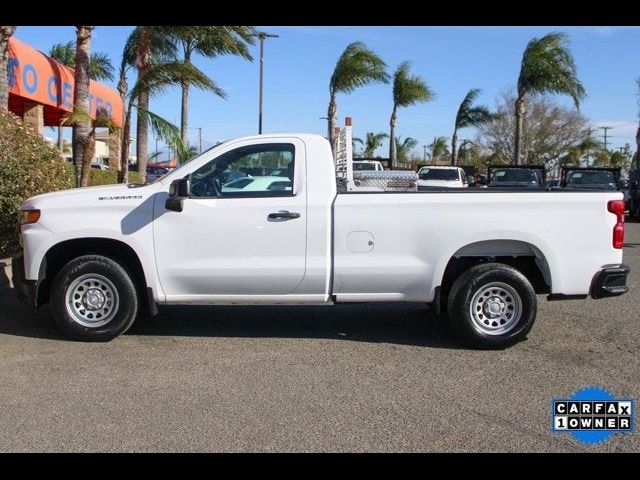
column 107, row 177
column 29, row 166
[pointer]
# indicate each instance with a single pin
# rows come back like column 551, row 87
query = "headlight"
column 29, row 216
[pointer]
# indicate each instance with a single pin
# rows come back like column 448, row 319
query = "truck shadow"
column 403, row 324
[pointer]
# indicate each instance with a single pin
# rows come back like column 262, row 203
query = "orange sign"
column 36, row 77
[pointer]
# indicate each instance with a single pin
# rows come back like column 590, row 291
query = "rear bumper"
column 26, row 290
column 611, row 281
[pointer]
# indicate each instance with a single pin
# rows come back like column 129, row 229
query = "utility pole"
column 200, row 139
column 424, row 158
column 261, row 36
column 605, row 136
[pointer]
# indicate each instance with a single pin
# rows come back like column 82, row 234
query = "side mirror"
column 178, row 191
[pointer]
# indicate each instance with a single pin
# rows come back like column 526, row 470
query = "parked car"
column 99, row 166
column 154, row 173
column 257, row 184
column 521, row 176
column 360, row 165
column 97, row 255
column 437, row 177
column 634, row 188
column 585, row 179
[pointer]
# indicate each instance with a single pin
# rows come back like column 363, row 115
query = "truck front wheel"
column 93, row 299
column 492, row 306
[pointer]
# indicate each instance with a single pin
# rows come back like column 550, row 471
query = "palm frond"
column 409, row 89
column 77, row 116
column 162, row 76
column 100, row 67
column 356, row 67
column 165, row 131
column 472, row 116
column 373, row 142
column 163, row 49
column 404, row 147
column 65, row 53
column 548, row 67
column 211, row 41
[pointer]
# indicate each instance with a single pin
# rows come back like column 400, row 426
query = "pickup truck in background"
column 516, row 176
column 430, row 177
column 100, row 256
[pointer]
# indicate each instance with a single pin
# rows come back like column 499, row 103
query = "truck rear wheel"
column 492, row 306
column 93, row 299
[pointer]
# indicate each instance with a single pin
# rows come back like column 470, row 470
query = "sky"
column 298, row 65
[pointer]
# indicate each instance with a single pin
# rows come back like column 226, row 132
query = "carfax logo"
column 592, row 415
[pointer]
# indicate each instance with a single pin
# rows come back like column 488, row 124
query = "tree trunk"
column 89, row 150
column 143, row 62
column 123, row 174
column 142, row 134
column 517, row 144
column 5, row 33
column 81, row 100
column 122, row 90
column 60, row 141
column 392, row 137
column 331, row 121
column 454, row 147
column 184, row 113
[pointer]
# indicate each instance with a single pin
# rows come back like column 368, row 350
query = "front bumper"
column 26, row 290
column 611, row 281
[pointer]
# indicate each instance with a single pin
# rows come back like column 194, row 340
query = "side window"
column 264, row 170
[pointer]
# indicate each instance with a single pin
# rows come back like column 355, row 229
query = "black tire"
column 123, row 310
column 473, row 330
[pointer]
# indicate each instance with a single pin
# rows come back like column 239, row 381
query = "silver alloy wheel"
column 92, row 300
column 496, row 308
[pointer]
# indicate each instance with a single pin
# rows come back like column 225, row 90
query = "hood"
column 604, row 187
column 513, row 185
column 439, row 183
column 91, row 195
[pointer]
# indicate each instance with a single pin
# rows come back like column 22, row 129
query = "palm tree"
column 547, row 67
column 404, row 147
column 209, row 41
column 438, row 148
column 100, row 68
column 373, row 142
column 407, row 90
column 162, row 50
column 155, row 80
column 356, row 67
column 5, row 34
column 468, row 116
column 636, row 156
column 82, row 126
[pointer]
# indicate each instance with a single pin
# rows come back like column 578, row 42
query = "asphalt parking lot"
column 357, row 378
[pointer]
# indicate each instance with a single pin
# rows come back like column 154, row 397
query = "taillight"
column 617, row 208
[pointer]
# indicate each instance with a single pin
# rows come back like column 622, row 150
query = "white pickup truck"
column 101, row 256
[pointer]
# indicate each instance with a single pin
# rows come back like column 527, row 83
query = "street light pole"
column 261, row 36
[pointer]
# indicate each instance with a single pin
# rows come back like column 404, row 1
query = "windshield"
column 438, row 174
column 590, row 178
column 183, row 164
column 515, row 175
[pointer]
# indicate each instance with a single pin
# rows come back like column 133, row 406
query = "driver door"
column 242, row 231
